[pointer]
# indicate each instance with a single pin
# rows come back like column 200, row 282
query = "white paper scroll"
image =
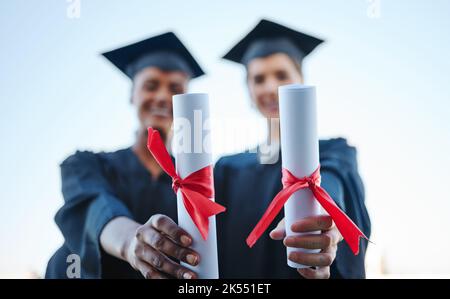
column 299, row 152
column 192, row 152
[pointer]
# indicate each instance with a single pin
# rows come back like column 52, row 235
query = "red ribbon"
column 196, row 189
column 349, row 231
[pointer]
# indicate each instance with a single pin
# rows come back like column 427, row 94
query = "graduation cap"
column 163, row 51
column 268, row 38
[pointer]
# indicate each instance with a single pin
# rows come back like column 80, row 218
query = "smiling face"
column 152, row 94
column 264, row 75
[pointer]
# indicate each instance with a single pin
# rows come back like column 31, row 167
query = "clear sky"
column 382, row 78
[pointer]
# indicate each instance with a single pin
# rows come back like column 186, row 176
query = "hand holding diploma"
column 192, row 179
column 302, row 196
column 326, row 242
column 154, row 242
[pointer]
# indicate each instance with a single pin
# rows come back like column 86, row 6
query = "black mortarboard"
column 267, row 38
column 164, row 51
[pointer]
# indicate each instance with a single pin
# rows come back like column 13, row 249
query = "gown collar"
column 137, row 164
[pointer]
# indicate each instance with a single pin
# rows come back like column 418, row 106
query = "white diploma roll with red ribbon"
column 302, row 196
column 299, row 152
column 192, row 153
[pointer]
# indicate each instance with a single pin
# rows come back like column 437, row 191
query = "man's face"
column 264, row 75
column 152, row 94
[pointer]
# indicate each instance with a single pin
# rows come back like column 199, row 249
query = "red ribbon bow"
column 196, row 189
column 349, row 231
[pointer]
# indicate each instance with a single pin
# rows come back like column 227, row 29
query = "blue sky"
column 382, row 82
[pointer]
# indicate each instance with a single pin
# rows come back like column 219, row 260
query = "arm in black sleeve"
column 345, row 186
column 89, row 204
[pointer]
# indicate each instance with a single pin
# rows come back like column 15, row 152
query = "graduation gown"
column 98, row 187
column 246, row 187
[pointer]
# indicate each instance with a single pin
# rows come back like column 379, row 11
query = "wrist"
column 126, row 244
column 117, row 235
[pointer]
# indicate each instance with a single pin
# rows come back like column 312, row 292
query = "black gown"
column 97, row 188
column 246, row 187
column 100, row 186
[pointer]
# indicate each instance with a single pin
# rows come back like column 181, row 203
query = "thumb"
column 279, row 232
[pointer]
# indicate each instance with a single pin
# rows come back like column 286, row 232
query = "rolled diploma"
column 190, row 111
column 299, row 153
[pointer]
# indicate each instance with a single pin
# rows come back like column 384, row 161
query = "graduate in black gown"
column 113, row 202
column 247, row 182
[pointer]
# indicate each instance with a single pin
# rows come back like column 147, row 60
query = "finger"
column 321, row 241
column 319, row 273
column 160, row 242
column 332, row 249
column 168, row 227
column 334, row 235
column 149, row 272
column 162, row 263
column 279, row 232
column 321, row 259
column 310, row 224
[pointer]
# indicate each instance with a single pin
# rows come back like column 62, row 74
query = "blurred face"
column 264, row 75
column 152, row 94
